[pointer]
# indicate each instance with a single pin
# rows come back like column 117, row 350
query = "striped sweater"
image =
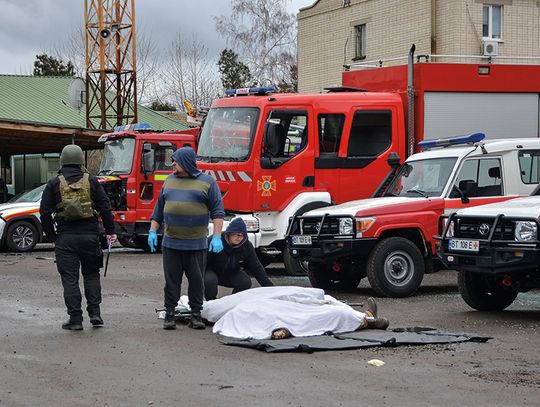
column 184, row 208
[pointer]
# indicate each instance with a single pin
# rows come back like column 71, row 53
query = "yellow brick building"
column 333, row 33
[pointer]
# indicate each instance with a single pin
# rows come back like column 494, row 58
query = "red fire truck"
column 135, row 162
column 275, row 156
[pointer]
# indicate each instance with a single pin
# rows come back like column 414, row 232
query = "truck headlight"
column 363, row 224
column 252, row 225
column 450, row 231
column 346, row 226
column 525, row 231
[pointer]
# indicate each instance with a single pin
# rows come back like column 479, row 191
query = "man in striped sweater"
column 187, row 201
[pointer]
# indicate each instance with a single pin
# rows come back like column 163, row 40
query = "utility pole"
column 111, row 86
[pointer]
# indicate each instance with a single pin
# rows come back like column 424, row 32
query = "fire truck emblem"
column 266, row 185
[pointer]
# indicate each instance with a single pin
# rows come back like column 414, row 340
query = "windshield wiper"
column 419, row 192
column 105, row 172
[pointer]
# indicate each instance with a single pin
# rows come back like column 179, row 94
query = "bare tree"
column 264, row 35
column 189, row 74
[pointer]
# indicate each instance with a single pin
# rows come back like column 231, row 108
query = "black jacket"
column 231, row 258
column 51, row 198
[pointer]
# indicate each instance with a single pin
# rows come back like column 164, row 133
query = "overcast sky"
column 30, row 27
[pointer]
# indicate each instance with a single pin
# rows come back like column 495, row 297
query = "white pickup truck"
column 390, row 239
column 496, row 250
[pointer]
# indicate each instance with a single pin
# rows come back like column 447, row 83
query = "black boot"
column 96, row 321
column 170, row 322
column 196, row 321
column 73, row 326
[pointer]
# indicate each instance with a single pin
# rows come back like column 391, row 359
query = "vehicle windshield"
column 425, row 178
column 227, row 134
column 117, row 156
column 33, row 195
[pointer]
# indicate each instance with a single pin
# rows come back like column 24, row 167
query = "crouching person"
column 223, row 268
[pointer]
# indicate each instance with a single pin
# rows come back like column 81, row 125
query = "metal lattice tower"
column 111, row 90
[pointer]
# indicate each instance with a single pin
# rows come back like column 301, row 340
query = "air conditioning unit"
column 490, row 48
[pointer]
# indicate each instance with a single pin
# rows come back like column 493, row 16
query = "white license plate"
column 464, row 245
column 300, row 240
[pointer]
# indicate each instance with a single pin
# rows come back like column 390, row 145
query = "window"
column 492, row 22
column 293, row 136
column 163, row 157
column 371, row 133
column 360, row 36
column 330, row 130
column 479, row 178
column 528, row 166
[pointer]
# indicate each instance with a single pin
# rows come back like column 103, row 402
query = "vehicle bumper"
column 323, row 249
column 131, row 230
column 3, row 224
column 492, row 259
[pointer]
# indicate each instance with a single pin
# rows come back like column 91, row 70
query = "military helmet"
column 72, row 154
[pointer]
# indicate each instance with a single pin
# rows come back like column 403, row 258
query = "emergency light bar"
column 250, row 91
column 451, row 141
column 133, row 127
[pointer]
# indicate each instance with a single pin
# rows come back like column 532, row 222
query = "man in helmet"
column 74, row 197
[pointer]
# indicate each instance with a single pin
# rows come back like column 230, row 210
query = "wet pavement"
column 133, row 362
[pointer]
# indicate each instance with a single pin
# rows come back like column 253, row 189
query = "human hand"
column 152, row 241
column 216, row 245
column 111, row 238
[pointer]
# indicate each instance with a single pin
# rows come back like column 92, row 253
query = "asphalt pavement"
column 132, row 361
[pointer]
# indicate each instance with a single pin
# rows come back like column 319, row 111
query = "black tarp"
column 366, row 338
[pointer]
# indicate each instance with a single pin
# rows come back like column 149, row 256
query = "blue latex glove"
column 152, row 241
column 216, row 245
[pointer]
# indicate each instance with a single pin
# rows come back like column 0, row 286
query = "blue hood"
column 237, row 225
column 185, row 156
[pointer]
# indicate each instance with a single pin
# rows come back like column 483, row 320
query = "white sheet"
column 257, row 312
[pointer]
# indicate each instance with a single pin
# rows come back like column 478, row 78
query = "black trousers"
column 237, row 280
column 175, row 264
column 84, row 252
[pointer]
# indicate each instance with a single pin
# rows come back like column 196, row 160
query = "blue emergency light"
column 250, row 91
column 451, row 141
column 133, row 127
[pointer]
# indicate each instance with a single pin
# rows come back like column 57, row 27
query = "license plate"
column 464, row 245
column 300, row 240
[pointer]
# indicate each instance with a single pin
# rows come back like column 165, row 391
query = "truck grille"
column 312, row 226
column 480, row 228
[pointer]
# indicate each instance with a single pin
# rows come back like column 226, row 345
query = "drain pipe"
column 410, row 102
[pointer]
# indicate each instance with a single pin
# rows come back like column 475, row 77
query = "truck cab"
column 389, row 239
column 279, row 155
column 135, row 162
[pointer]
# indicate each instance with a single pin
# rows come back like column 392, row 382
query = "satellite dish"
column 77, row 93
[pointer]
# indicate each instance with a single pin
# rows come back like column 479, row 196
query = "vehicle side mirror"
column 393, row 160
column 468, row 188
column 147, row 159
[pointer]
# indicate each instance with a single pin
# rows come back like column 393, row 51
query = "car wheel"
column 21, row 237
column 293, row 266
column 395, row 267
column 484, row 293
column 142, row 243
column 333, row 276
column 127, row 242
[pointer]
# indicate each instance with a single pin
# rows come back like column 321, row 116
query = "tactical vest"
column 76, row 203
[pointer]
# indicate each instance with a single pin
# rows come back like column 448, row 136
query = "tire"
column 395, row 268
column 21, row 237
column 483, row 293
column 322, row 276
column 294, row 267
column 127, row 242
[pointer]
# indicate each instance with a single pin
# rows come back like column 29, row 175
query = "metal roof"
column 34, row 111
